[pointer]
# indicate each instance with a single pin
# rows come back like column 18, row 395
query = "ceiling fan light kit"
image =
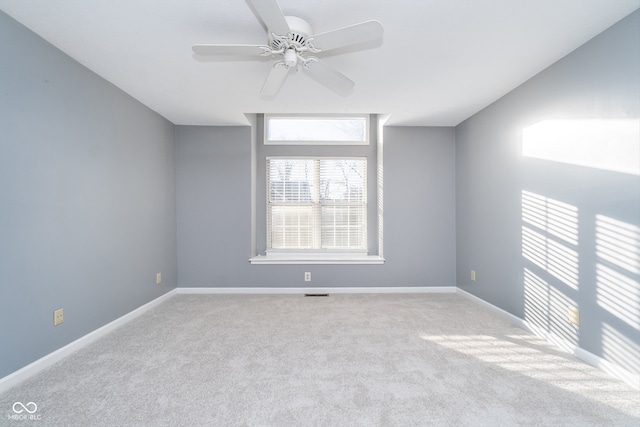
column 292, row 41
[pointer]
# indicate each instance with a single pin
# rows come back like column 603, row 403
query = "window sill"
column 316, row 259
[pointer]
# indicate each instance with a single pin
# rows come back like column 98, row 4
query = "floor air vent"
column 316, row 295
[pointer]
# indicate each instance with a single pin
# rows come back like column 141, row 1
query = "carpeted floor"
column 343, row 360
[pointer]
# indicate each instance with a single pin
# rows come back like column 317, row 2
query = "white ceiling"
column 440, row 62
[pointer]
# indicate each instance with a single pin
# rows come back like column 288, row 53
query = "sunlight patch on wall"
column 618, row 274
column 550, row 236
column 620, row 349
column 553, row 257
column 558, row 218
column 619, row 295
column 546, row 307
column 618, row 243
column 612, row 145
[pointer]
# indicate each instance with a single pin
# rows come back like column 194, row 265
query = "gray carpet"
column 344, row 360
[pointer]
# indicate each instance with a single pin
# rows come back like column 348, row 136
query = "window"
column 316, row 189
column 322, row 130
column 317, row 204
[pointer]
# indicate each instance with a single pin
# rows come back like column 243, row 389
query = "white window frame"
column 318, row 117
column 329, row 258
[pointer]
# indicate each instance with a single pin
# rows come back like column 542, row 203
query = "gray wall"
column 537, row 271
column 214, row 213
column 87, row 199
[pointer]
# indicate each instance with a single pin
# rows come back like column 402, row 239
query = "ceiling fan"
column 292, row 41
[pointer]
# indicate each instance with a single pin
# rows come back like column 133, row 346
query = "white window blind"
column 317, row 204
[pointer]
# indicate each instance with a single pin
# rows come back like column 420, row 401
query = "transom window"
column 318, row 130
column 316, row 204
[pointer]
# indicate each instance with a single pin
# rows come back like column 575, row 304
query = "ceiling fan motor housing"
column 300, row 31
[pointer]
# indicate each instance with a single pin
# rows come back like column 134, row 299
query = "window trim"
column 268, row 141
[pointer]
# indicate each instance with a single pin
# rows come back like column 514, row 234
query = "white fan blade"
column 354, row 34
column 272, row 16
column 226, row 49
column 325, row 74
column 274, row 81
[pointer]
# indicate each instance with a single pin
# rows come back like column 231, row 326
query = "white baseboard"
column 57, row 355
column 352, row 290
column 514, row 319
column 610, row 368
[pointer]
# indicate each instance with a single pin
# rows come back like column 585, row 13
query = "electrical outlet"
column 573, row 315
column 307, row 276
column 58, row 317
column 158, row 278
column 473, row 275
